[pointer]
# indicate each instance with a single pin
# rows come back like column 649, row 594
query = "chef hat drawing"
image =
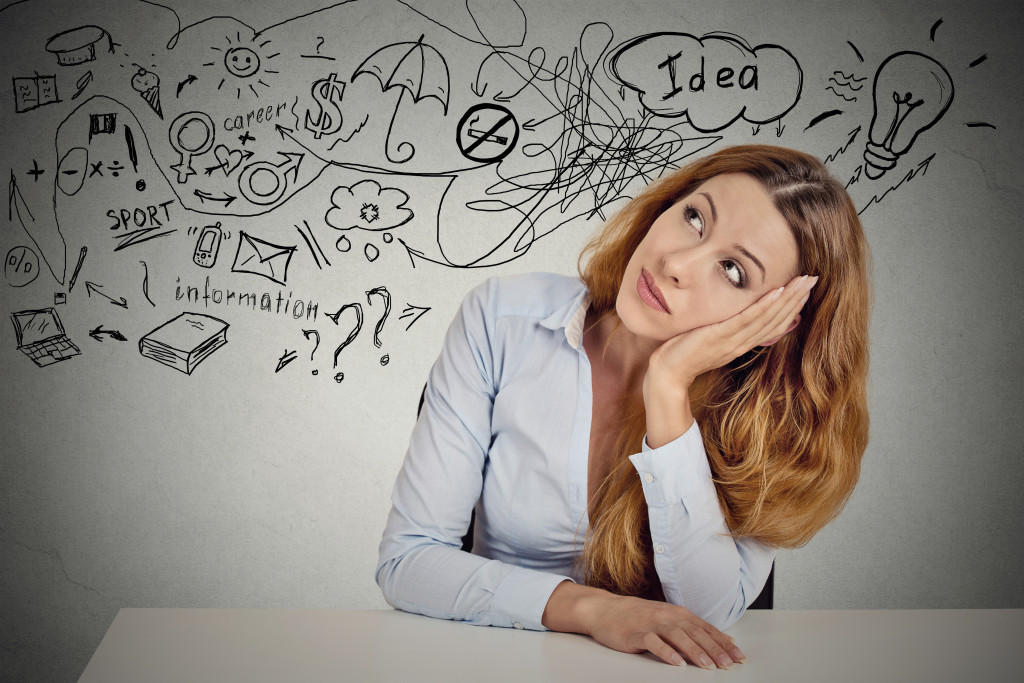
column 77, row 45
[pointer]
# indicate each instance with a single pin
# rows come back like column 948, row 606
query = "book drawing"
column 186, row 341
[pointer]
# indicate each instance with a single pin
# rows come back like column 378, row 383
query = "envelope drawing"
column 262, row 258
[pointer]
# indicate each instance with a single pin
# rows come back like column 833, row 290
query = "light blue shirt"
column 505, row 427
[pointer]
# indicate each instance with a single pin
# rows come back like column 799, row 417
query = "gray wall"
column 128, row 483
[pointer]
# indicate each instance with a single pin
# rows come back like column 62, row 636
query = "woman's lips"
column 649, row 292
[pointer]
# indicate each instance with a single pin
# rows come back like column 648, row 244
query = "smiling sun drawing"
column 244, row 63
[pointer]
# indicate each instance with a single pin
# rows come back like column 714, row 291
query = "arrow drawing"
column 91, row 287
column 98, row 333
column 414, row 312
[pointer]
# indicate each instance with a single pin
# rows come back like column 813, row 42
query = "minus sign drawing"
column 485, row 136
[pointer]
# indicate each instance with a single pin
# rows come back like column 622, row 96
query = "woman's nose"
column 680, row 266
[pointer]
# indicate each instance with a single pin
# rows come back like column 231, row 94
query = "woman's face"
column 706, row 258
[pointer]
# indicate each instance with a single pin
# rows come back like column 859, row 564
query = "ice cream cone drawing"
column 147, row 84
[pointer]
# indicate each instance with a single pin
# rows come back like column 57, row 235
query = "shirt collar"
column 570, row 316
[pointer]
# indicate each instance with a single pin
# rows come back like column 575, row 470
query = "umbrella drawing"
column 417, row 69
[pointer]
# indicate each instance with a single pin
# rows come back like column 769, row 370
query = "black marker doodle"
column 31, row 92
column 310, row 239
column 92, row 287
column 371, row 252
column 207, row 246
column 253, row 185
column 262, row 258
column 41, row 336
column 414, row 312
column 415, row 68
column 285, row 359
column 921, row 169
column 244, row 63
column 36, row 171
column 78, row 267
column 71, row 170
column 184, row 342
column 191, row 134
column 145, row 283
column 313, row 333
column 855, row 51
column 842, row 150
column 353, row 333
column 487, row 133
column 712, row 80
column 228, row 159
column 129, row 239
column 78, row 45
column 147, row 84
column 368, row 206
column 384, row 294
column 935, row 27
column 99, row 333
column 979, row 124
column 82, row 83
column 328, row 93
column 188, row 81
column 821, row 117
column 911, row 92
column 21, row 266
column 977, row 61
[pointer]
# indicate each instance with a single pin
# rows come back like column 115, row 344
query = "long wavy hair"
column 784, row 426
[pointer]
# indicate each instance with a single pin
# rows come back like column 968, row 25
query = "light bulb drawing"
column 911, row 92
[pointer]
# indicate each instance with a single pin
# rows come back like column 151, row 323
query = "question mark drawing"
column 319, row 43
column 386, row 295
column 351, row 335
column 307, row 334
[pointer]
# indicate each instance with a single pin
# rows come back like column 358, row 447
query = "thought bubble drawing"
column 368, row 206
column 712, row 80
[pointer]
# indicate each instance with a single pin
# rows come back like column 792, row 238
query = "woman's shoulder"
column 527, row 293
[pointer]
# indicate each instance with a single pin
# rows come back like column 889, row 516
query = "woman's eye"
column 694, row 218
column 734, row 273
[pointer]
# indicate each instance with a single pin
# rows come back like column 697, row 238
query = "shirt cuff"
column 522, row 596
column 675, row 470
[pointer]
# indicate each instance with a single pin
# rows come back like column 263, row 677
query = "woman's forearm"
column 668, row 410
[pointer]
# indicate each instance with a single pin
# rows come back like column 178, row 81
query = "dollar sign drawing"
column 327, row 92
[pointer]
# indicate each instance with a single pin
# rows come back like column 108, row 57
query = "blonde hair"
column 784, row 426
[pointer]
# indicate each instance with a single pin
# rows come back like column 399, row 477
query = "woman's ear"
column 792, row 326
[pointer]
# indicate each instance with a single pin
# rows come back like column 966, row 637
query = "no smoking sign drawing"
column 487, row 132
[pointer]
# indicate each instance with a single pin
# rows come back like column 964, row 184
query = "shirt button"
column 517, row 625
column 648, row 477
column 660, row 549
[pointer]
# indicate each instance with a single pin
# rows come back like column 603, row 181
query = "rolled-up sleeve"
column 701, row 567
column 421, row 567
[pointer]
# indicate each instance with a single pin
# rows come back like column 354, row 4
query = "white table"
column 309, row 646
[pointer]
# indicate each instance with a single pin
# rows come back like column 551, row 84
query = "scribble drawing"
column 368, row 206
column 21, row 266
column 31, row 92
column 78, row 45
column 314, row 246
column 416, row 68
column 185, row 341
column 596, row 145
column 911, row 93
column 41, row 336
column 262, row 258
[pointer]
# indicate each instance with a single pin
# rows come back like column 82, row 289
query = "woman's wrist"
column 571, row 607
column 667, row 405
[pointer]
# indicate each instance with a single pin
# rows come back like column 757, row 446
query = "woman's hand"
column 678, row 361
column 628, row 624
column 696, row 351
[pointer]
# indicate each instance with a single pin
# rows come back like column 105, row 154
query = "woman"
column 731, row 294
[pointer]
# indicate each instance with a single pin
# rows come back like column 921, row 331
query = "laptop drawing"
column 41, row 336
